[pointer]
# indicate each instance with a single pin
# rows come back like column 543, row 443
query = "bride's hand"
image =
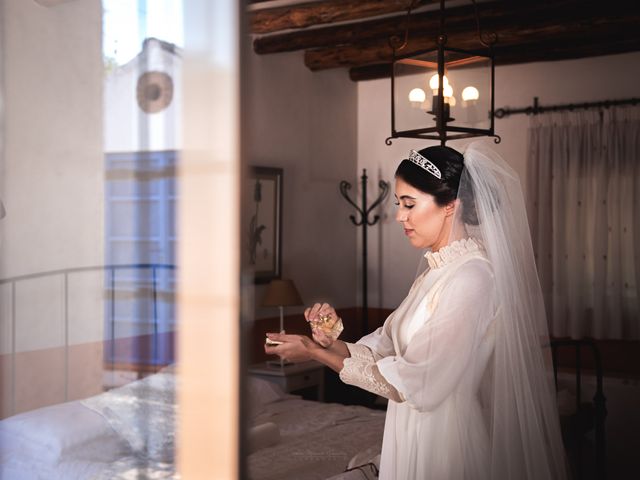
column 324, row 322
column 294, row 348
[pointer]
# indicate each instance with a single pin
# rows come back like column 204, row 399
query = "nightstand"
column 294, row 377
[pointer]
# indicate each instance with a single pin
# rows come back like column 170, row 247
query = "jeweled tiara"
column 421, row 161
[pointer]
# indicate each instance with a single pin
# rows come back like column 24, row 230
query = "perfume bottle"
column 327, row 324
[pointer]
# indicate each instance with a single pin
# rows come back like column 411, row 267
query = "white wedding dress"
column 428, row 359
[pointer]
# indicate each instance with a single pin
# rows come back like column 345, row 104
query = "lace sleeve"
column 360, row 351
column 361, row 371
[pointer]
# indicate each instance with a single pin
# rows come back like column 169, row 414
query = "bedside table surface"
column 265, row 369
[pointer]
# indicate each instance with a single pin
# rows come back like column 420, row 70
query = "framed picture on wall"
column 263, row 245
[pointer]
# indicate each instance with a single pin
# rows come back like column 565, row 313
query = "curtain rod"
column 535, row 109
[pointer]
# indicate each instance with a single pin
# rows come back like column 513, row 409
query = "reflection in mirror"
column 89, row 235
column 119, row 214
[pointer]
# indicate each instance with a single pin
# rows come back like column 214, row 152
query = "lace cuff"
column 365, row 374
column 360, row 352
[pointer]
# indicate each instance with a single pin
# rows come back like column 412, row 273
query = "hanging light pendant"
column 443, row 93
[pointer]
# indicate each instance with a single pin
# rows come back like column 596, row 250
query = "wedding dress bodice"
column 430, row 354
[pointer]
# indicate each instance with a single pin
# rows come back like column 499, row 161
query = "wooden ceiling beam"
column 576, row 26
column 426, row 23
column 370, row 72
column 362, row 31
column 305, row 15
column 526, row 53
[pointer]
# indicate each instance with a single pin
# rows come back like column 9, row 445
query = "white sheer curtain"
column 584, row 204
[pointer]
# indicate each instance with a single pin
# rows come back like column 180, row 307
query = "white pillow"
column 67, row 431
column 263, row 436
column 262, row 392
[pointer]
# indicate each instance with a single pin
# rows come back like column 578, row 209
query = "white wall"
column 53, row 138
column 305, row 122
column 393, row 261
column 127, row 128
column 52, row 187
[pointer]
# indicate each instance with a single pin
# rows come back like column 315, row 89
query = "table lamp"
column 281, row 293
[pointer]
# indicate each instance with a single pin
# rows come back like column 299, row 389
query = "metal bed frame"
column 64, row 274
column 587, row 416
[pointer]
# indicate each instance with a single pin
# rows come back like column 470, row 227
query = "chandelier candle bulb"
column 417, row 97
column 433, row 83
column 470, row 94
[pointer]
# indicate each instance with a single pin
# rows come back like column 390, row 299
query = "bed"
column 129, row 433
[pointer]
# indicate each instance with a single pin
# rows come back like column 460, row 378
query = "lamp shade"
column 281, row 293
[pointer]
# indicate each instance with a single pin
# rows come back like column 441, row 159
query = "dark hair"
column 450, row 162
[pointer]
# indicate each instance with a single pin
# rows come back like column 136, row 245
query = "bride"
column 464, row 360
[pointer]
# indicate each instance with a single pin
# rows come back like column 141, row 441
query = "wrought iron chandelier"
column 443, row 93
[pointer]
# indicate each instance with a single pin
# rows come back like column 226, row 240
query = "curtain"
column 584, row 212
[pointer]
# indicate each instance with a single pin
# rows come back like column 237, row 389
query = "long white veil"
column 517, row 391
column 524, row 425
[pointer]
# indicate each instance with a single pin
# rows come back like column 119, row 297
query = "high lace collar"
column 451, row 252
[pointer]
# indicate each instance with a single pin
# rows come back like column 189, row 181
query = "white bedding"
column 128, row 433
column 317, row 439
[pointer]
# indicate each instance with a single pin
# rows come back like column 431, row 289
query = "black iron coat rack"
column 365, row 222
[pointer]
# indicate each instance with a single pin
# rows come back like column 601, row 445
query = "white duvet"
column 317, row 439
column 128, row 433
